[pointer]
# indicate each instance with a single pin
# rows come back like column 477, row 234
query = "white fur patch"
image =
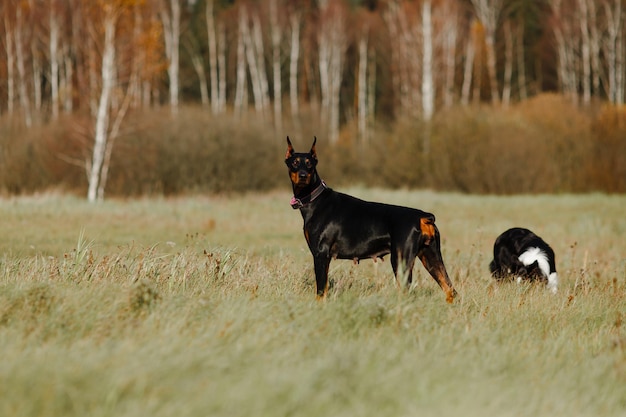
column 535, row 254
column 553, row 282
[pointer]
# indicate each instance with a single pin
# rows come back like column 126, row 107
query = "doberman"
column 337, row 225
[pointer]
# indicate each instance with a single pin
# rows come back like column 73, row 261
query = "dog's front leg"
column 321, row 263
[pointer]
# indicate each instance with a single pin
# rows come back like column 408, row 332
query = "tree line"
column 354, row 62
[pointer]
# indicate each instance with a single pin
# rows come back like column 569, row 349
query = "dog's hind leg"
column 321, row 264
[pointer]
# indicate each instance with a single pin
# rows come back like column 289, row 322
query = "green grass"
column 204, row 306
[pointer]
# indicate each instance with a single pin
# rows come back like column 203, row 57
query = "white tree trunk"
column 212, row 41
column 466, row 88
column 257, row 38
column 332, row 43
column 276, row 37
column 66, row 86
column 293, row 63
column 115, row 129
column 613, row 51
column 37, row 76
column 251, row 57
column 428, row 85
column 620, row 71
column 9, row 44
column 102, row 117
column 170, row 18
column 21, row 70
column 362, row 85
column 240, row 88
column 371, row 89
column 198, row 66
column 586, row 51
column 508, row 62
column 324, row 68
column 54, row 61
column 93, row 76
column 594, row 39
column 221, row 66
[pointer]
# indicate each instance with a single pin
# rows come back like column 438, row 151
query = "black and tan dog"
column 340, row 226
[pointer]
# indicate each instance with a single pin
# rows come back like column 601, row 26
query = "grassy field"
column 204, row 306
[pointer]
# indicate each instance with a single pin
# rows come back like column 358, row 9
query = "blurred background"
column 165, row 97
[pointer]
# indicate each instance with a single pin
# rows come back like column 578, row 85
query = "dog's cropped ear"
column 313, row 153
column 289, row 153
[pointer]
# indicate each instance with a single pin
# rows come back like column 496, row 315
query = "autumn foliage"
column 543, row 145
column 162, row 96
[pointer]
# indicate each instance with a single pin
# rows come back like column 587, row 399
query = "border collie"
column 519, row 253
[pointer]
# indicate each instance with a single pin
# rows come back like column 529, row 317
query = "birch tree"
column 470, row 52
column 212, row 43
column 276, row 43
column 362, row 83
column 366, row 31
column 613, row 47
column 169, row 11
column 221, row 66
column 450, row 34
column 332, row 44
column 294, row 54
column 405, row 23
column 103, row 112
column 488, row 12
column 428, row 84
column 55, row 32
column 9, row 47
column 111, row 19
column 508, row 62
column 250, row 30
column 586, row 50
column 21, row 32
column 241, row 96
column 567, row 39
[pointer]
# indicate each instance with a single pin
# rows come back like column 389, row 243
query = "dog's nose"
column 302, row 175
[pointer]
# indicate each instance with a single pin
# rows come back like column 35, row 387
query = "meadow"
column 204, row 306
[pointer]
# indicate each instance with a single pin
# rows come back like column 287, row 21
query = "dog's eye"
column 308, row 163
column 295, row 163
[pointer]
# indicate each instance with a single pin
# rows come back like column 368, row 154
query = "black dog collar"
column 297, row 203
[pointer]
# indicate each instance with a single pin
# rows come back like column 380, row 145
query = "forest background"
column 142, row 97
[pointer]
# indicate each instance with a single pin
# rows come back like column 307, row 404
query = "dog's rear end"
column 520, row 254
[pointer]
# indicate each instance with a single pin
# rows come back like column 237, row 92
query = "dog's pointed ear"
column 289, row 153
column 313, row 153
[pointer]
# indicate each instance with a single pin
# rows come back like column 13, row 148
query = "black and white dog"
column 519, row 253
